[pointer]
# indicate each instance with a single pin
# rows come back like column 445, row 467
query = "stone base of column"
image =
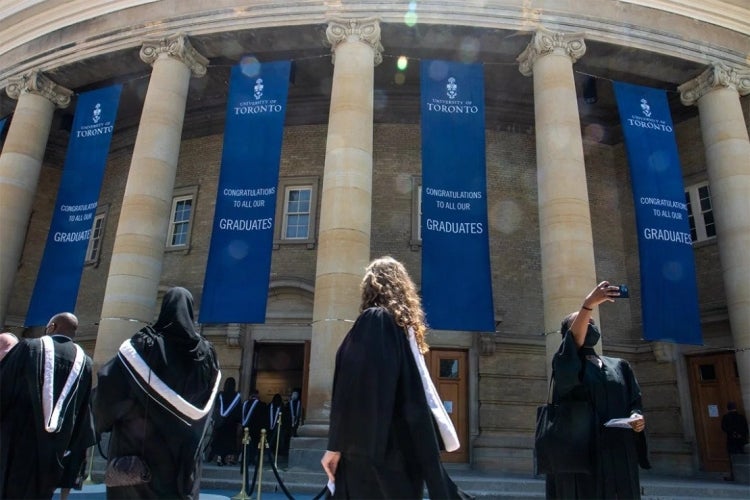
column 317, row 429
column 305, row 453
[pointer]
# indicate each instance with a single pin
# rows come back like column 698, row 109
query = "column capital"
column 365, row 30
column 178, row 47
column 35, row 82
column 718, row 75
column 547, row 42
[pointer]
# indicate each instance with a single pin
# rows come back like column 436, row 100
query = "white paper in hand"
column 622, row 422
column 331, row 487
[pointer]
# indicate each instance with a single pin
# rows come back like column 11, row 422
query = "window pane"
column 708, row 373
column 181, row 222
column 448, row 368
column 297, row 216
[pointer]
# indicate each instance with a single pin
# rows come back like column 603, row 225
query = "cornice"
column 102, row 35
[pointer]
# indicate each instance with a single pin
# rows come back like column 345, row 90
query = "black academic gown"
column 254, row 418
column 380, row 420
column 224, row 440
column 142, row 422
column 615, row 393
column 34, row 462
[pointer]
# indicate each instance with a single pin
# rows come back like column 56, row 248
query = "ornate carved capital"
column 719, row 75
column 364, row 30
column 548, row 42
column 35, row 82
column 176, row 46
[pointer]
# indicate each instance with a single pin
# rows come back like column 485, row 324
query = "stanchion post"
column 89, row 479
column 261, row 453
column 278, row 435
column 242, row 495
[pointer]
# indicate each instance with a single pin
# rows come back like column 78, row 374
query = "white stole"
column 234, row 402
column 133, row 362
column 246, row 415
column 444, row 423
column 273, row 416
column 52, row 409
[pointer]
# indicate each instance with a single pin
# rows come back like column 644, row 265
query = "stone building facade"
column 352, row 136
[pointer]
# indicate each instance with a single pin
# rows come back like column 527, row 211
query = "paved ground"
column 98, row 492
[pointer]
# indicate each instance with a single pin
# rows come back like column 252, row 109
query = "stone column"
column 345, row 211
column 20, row 165
column 135, row 270
column 717, row 92
column 568, row 267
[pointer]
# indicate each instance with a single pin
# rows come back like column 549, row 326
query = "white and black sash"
column 246, row 414
column 52, row 410
column 170, row 400
column 444, row 423
column 273, row 415
column 294, row 409
column 234, row 402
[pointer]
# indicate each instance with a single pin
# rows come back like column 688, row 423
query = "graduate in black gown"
column 387, row 421
column 155, row 397
column 45, row 417
column 614, row 392
column 255, row 418
column 227, row 417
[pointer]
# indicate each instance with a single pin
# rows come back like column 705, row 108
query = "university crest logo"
column 258, row 88
column 451, row 88
column 645, row 108
column 96, row 115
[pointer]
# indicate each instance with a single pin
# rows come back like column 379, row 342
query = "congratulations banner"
column 235, row 289
column 56, row 288
column 456, row 278
column 669, row 294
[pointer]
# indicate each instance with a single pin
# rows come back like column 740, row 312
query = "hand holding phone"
column 624, row 292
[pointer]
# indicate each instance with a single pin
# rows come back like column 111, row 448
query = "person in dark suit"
column 734, row 425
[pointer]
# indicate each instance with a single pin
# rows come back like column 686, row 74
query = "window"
column 95, row 241
column 416, row 213
column 700, row 212
column 180, row 221
column 296, row 211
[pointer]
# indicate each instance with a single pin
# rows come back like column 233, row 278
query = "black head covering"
column 172, row 346
column 230, row 387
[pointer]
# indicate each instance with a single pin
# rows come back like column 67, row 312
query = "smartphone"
column 624, row 292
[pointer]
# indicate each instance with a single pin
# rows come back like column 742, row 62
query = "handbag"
column 564, row 436
column 129, row 470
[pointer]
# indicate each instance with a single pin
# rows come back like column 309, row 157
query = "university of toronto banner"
column 56, row 288
column 456, row 277
column 669, row 292
column 235, row 289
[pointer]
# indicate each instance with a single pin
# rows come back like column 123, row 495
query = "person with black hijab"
column 155, row 398
column 388, row 422
column 611, row 387
column 227, row 416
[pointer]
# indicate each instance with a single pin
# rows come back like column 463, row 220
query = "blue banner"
column 669, row 294
column 3, row 122
column 456, row 277
column 56, row 288
column 235, row 289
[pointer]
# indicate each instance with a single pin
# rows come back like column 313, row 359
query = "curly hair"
column 387, row 284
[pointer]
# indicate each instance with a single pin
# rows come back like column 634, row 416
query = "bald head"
column 64, row 323
column 7, row 342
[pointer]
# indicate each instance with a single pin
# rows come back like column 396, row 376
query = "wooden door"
column 450, row 373
column 714, row 381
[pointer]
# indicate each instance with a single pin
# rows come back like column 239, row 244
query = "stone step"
column 304, row 483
